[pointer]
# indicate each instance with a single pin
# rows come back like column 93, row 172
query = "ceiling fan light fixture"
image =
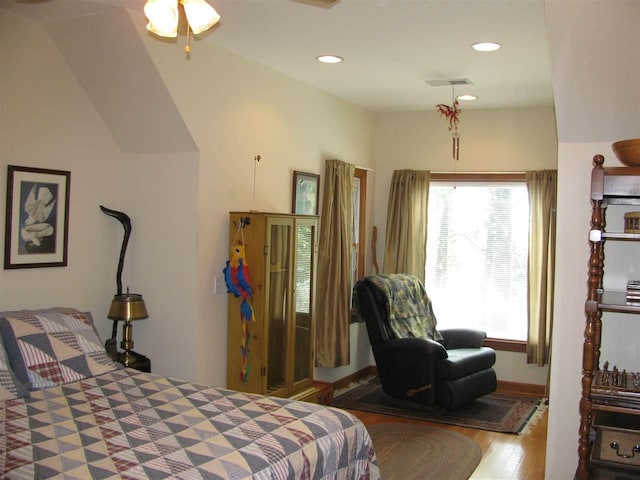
column 467, row 97
column 329, row 59
column 486, row 46
column 162, row 16
column 200, row 15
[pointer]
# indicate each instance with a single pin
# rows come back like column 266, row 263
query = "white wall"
column 236, row 110
column 620, row 344
column 47, row 121
column 160, row 193
column 58, row 111
column 620, row 334
column 572, row 254
column 596, row 77
column 51, row 119
column 490, row 141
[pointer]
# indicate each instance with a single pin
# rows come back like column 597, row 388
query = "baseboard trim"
column 355, row 377
column 503, row 386
column 523, row 388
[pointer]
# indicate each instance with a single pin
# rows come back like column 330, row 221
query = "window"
column 477, row 253
column 359, row 202
column 358, row 225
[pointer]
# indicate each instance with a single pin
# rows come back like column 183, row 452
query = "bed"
column 68, row 411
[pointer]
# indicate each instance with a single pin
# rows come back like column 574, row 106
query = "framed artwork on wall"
column 305, row 193
column 37, row 218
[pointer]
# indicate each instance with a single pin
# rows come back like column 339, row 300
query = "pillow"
column 10, row 388
column 54, row 346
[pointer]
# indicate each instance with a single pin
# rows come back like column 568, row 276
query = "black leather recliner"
column 447, row 373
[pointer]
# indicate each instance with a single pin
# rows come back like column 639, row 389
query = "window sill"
column 501, row 344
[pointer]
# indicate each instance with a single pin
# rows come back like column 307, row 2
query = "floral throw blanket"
column 135, row 425
column 408, row 306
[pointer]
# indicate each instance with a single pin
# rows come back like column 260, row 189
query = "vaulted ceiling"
column 390, row 47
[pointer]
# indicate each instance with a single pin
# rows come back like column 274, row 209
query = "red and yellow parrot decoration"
column 236, row 276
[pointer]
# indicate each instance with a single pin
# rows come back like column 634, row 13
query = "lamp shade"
column 162, row 16
column 127, row 307
column 200, row 15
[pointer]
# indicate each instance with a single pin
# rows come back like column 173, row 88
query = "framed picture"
column 305, row 193
column 37, row 218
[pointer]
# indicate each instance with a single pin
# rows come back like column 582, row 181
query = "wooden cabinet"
column 280, row 252
column 602, row 390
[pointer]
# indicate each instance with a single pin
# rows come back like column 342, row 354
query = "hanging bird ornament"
column 236, row 277
column 452, row 114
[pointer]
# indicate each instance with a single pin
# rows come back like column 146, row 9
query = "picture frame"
column 305, row 193
column 37, row 218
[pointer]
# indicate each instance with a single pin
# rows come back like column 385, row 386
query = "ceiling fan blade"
column 319, row 3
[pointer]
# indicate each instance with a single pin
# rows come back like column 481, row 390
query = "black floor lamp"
column 125, row 307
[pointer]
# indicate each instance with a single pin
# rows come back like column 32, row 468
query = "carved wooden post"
column 593, row 326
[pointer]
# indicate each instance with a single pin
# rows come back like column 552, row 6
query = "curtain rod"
column 478, row 173
column 478, row 177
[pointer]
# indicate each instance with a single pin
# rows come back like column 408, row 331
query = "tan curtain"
column 542, row 241
column 406, row 235
column 333, row 309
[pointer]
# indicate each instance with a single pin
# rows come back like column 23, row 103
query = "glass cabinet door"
column 273, row 353
column 303, row 308
column 279, row 255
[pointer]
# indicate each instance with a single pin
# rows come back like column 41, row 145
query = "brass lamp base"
column 127, row 358
column 136, row 361
column 127, row 345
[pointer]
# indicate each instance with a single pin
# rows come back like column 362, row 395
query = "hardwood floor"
column 505, row 456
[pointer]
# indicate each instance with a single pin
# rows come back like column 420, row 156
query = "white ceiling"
column 390, row 47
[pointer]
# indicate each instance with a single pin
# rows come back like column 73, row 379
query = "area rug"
column 423, row 452
column 497, row 412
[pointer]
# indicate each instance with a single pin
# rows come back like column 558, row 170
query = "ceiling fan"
column 319, row 3
column 163, row 16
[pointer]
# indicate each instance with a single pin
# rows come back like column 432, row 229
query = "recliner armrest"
column 463, row 338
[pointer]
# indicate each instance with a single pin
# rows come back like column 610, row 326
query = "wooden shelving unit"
column 609, row 186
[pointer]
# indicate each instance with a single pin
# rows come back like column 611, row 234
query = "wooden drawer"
column 617, row 440
column 611, row 473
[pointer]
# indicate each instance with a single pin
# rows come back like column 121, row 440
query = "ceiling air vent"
column 447, row 82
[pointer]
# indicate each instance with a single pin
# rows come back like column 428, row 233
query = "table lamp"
column 127, row 307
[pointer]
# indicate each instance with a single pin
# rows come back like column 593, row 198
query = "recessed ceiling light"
column 329, row 59
column 467, row 97
column 486, row 46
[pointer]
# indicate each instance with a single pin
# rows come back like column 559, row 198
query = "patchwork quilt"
column 408, row 306
column 136, row 425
